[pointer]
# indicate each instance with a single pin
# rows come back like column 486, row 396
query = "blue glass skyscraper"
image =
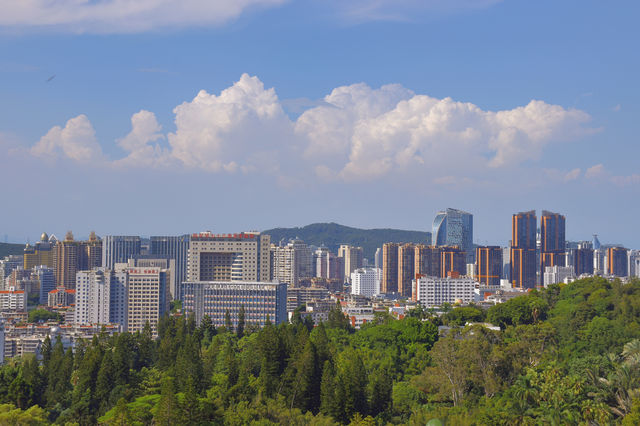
column 454, row 228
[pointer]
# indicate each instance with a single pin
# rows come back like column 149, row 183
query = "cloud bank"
column 123, row 16
column 356, row 133
column 402, row 10
column 126, row 16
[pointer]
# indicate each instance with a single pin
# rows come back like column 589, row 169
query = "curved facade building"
column 454, row 228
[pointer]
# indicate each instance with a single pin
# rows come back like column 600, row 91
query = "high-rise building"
column 65, row 261
column 552, row 240
column 389, row 268
column 377, row 258
column 176, row 248
column 617, row 261
column 523, row 250
column 632, row 261
column 291, row 262
column 260, row 300
column 582, row 260
column 8, row 265
column 353, row 259
column 147, row 297
column 41, row 253
column 599, row 255
column 119, row 249
column 366, row 281
column 428, row 260
column 326, row 264
column 129, row 296
column 406, row 269
column 489, row 265
column 454, row 228
column 452, row 262
column 229, row 257
column 506, row 263
column 440, row 261
column 47, row 280
column 70, row 256
column 158, row 262
column 90, row 253
column 101, row 297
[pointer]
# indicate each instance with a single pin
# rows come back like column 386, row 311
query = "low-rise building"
column 299, row 296
column 435, row 291
column 13, row 300
column 557, row 274
column 261, row 300
column 25, row 339
column 366, row 281
column 61, row 297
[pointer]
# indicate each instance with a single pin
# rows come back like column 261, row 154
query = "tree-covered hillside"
column 7, row 248
column 567, row 355
column 333, row 234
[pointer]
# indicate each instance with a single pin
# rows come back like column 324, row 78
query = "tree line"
column 568, row 354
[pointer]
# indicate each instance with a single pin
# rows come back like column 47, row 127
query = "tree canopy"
column 569, row 354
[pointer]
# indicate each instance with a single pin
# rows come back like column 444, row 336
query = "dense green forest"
column 569, row 354
column 333, row 234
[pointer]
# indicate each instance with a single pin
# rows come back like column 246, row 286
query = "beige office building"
column 228, row 257
column 71, row 256
column 353, row 259
column 147, row 298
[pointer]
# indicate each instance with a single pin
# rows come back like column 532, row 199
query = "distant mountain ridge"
column 332, row 235
column 7, row 248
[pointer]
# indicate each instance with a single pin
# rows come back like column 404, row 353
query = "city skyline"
column 476, row 241
column 318, row 111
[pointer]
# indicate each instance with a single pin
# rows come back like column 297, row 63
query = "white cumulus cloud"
column 139, row 143
column 77, row 141
column 357, row 133
column 122, row 16
column 238, row 129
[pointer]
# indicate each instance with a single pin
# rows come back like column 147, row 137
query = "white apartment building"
column 101, row 297
column 13, row 300
column 633, row 262
column 128, row 296
column 228, row 257
column 434, row 291
column 366, row 281
column 599, row 261
column 557, row 274
column 291, row 263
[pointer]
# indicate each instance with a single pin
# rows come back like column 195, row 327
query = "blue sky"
column 370, row 113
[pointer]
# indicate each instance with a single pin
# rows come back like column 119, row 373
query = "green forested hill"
column 7, row 248
column 333, row 234
column 566, row 355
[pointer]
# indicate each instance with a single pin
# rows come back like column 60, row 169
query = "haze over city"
column 232, row 116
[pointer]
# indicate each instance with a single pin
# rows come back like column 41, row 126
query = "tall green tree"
column 228, row 325
column 168, row 411
column 104, row 382
column 241, row 322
